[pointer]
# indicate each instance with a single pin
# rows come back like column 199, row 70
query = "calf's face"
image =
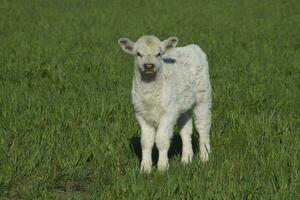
column 148, row 51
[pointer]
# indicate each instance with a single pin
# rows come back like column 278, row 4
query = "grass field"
column 67, row 129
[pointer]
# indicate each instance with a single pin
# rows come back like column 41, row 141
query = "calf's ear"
column 127, row 45
column 169, row 43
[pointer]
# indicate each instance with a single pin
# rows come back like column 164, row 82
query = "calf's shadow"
column 174, row 150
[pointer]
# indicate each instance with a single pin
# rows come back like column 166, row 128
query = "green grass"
column 67, row 129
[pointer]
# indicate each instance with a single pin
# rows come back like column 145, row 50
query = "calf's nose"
column 149, row 66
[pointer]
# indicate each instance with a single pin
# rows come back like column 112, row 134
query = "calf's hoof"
column 145, row 167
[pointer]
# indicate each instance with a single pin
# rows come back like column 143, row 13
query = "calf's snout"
column 149, row 67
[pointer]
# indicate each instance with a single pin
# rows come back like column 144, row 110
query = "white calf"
column 169, row 85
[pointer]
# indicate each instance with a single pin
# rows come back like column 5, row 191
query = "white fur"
column 179, row 88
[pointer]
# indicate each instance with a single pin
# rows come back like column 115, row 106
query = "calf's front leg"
column 147, row 142
column 163, row 139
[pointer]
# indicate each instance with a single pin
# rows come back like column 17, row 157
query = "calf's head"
column 148, row 51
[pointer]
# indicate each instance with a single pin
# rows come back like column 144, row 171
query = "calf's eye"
column 139, row 54
column 158, row 55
